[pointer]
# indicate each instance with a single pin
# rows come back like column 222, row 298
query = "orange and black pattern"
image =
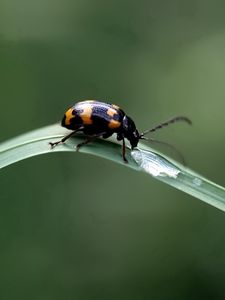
column 94, row 117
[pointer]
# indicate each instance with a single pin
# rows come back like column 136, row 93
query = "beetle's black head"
column 130, row 131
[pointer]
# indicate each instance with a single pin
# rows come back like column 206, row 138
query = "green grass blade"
column 37, row 142
column 142, row 159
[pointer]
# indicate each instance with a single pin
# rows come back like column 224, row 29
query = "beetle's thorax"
column 130, row 131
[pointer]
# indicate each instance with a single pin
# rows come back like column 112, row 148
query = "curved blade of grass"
column 142, row 159
column 37, row 142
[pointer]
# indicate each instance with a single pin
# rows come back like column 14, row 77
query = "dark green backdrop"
column 73, row 226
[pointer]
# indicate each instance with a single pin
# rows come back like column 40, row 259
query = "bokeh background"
column 73, row 226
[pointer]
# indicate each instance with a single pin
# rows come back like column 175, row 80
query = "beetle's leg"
column 89, row 140
column 124, row 151
column 64, row 138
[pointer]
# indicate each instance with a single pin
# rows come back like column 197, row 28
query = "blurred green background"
column 73, row 226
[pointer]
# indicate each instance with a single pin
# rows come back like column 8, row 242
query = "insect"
column 98, row 119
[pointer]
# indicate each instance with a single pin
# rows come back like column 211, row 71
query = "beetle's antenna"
column 179, row 154
column 164, row 124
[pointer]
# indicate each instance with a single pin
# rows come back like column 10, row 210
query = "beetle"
column 99, row 119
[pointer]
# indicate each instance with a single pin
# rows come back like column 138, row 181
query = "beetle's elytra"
column 98, row 119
